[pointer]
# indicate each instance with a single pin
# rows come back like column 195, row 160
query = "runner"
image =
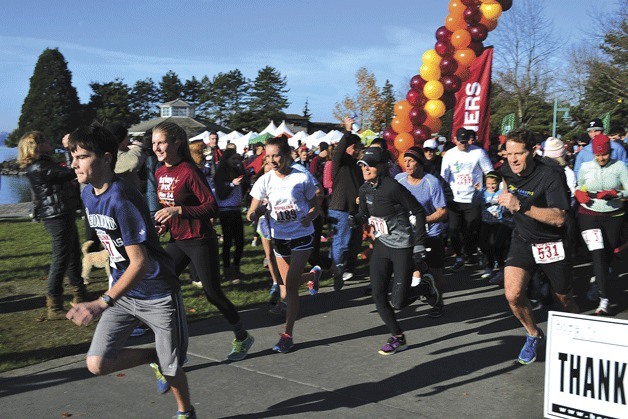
column 538, row 197
column 387, row 207
column 293, row 204
column 145, row 287
column 188, row 205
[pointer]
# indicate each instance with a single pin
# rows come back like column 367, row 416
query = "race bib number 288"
column 548, row 252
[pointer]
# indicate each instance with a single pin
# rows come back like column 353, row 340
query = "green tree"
column 170, row 87
column 192, row 91
column 364, row 103
column 111, row 102
column 385, row 109
column 144, row 99
column 51, row 105
column 306, row 110
column 268, row 97
column 227, row 97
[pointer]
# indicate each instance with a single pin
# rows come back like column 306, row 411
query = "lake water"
column 13, row 189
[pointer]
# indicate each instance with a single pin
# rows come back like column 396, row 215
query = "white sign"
column 586, row 367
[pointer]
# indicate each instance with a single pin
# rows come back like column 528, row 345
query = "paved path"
column 20, row 210
column 460, row 365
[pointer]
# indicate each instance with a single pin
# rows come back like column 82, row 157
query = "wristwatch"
column 107, row 299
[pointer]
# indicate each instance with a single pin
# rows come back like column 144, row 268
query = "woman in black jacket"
column 56, row 201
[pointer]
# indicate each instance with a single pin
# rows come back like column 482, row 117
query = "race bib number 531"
column 548, row 252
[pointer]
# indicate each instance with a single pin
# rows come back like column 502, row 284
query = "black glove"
column 419, row 262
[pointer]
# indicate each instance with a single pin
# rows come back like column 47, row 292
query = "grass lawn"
column 25, row 251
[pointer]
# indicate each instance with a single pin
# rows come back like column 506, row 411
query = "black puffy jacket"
column 55, row 188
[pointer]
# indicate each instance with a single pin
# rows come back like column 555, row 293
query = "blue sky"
column 317, row 45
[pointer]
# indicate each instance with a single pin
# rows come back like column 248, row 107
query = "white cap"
column 430, row 144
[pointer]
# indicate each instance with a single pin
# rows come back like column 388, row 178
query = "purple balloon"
column 417, row 83
column 448, row 65
column 470, row 2
column 416, row 98
column 421, row 133
column 417, row 115
column 449, row 99
column 472, row 15
column 477, row 47
column 451, row 84
column 478, row 32
column 506, row 4
column 389, row 134
column 443, row 34
column 444, row 48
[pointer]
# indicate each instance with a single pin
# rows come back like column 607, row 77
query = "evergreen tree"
column 144, row 99
column 306, row 110
column 385, row 109
column 227, row 97
column 268, row 96
column 111, row 102
column 204, row 102
column 170, row 87
column 192, row 91
column 51, row 105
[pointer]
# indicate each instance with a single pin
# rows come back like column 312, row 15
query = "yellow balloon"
column 435, row 108
column 433, row 89
column 430, row 72
column 491, row 11
column 431, row 57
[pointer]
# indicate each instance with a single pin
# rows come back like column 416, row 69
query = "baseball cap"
column 372, row 156
column 432, row 144
column 463, row 135
column 595, row 125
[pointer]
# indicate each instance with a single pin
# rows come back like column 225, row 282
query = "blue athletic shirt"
column 120, row 218
column 430, row 195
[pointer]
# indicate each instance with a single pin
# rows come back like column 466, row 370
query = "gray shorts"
column 164, row 316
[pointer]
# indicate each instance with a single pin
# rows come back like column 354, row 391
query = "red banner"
column 472, row 109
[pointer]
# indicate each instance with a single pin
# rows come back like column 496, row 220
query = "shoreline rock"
column 11, row 168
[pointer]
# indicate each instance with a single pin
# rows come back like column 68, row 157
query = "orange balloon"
column 431, row 57
column 460, row 39
column 401, row 161
column 434, row 124
column 433, row 89
column 400, row 125
column 490, row 24
column 491, row 11
column 430, row 72
column 456, row 7
column 435, row 108
column 464, row 57
column 464, row 74
column 404, row 141
column 455, row 22
column 402, row 109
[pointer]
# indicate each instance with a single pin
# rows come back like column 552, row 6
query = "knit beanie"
column 601, row 144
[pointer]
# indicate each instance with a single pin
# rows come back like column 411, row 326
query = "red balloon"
column 448, row 65
column 417, row 83
column 444, row 48
column 451, row 84
column 421, row 133
column 478, row 32
column 477, row 47
column 416, row 98
column 506, row 4
column 449, row 99
column 472, row 15
column 389, row 134
column 470, row 2
column 443, row 34
column 417, row 115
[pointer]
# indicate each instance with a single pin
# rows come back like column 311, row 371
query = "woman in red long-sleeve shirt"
column 188, row 205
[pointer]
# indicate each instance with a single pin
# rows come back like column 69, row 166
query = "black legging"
column 203, row 254
column 602, row 258
column 494, row 242
column 384, row 261
column 232, row 230
column 464, row 225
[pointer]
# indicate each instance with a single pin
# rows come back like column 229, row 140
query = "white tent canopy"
column 199, row 137
column 314, row 139
column 228, row 138
column 332, row 137
column 283, row 129
column 299, row 136
column 243, row 141
column 271, row 128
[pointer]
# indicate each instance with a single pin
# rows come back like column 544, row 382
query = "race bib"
column 110, row 247
column 463, row 179
column 548, row 252
column 285, row 213
column 379, row 226
column 593, row 238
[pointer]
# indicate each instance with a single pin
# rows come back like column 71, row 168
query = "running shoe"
column 337, row 273
column 191, row 414
column 487, row 273
column 602, row 309
column 254, row 242
column 431, row 294
column 497, row 279
column 458, row 265
column 436, row 311
column 285, row 344
column 528, row 352
column 274, row 293
column 239, row 348
column 163, row 386
column 395, row 344
column 138, row 331
column 197, row 284
column 314, row 285
column 279, row 309
column 347, row 276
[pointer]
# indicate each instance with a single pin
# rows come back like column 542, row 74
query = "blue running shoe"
column 191, row 414
column 395, row 344
column 528, row 352
column 285, row 344
column 314, row 285
column 274, row 294
column 240, row 348
column 138, row 331
column 163, row 386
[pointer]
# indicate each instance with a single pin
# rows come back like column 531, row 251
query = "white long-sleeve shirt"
column 465, row 169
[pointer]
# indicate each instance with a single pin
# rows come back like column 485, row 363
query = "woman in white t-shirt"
column 292, row 205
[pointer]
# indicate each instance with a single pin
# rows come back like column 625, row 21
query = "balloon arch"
column 444, row 69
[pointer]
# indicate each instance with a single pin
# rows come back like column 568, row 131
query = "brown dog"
column 94, row 260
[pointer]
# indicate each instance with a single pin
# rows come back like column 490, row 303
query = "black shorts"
column 284, row 247
column 560, row 274
column 435, row 257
